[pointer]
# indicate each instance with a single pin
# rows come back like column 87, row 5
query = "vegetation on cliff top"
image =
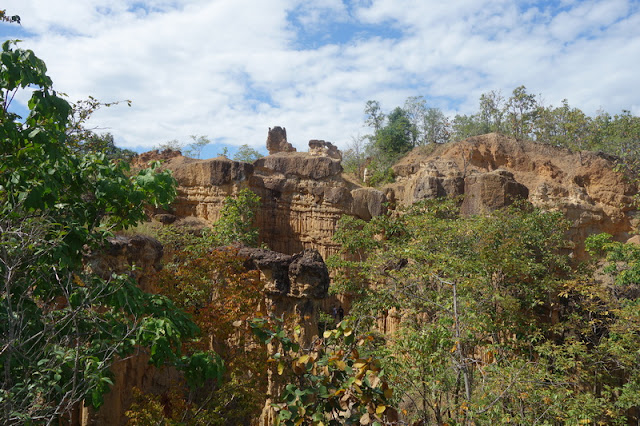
column 522, row 116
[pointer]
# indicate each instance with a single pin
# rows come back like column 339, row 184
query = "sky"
column 230, row 69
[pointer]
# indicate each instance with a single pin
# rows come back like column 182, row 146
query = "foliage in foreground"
column 331, row 382
column 492, row 326
column 211, row 283
column 62, row 326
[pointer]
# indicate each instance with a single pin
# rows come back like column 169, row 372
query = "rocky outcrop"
column 204, row 184
column 293, row 285
column 277, row 141
column 493, row 170
column 303, row 194
column 294, row 288
column 140, row 257
column 143, row 160
column 486, row 192
column 327, row 149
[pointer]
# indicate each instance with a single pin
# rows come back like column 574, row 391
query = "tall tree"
column 415, row 108
column 435, row 127
column 521, row 112
column 62, row 326
column 492, row 110
column 397, row 136
column 374, row 115
column 247, row 154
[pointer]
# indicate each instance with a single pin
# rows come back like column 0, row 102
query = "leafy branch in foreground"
column 62, row 326
column 331, row 382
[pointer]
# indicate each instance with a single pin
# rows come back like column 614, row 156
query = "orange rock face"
column 303, row 195
column 493, row 170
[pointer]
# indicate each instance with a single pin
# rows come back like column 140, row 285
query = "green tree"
column 247, row 154
column 492, row 110
column 374, row 115
column 104, row 143
column 521, row 111
column 563, row 126
column 194, row 149
column 331, row 382
column 62, row 326
column 396, row 138
column 354, row 157
column 465, row 126
column 173, row 144
column 470, row 292
column 415, row 108
column 435, row 127
column 237, row 220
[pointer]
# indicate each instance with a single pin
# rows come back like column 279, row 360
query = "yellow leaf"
column 341, row 365
column 327, row 334
column 380, row 409
column 303, row 359
column 280, row 368
column 348, row 332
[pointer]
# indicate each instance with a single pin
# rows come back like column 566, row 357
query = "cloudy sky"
column 230, row 69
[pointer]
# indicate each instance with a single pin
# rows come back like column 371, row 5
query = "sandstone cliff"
column 294, row 286
column 303, row 194
column 492, row 171
column 141, row 257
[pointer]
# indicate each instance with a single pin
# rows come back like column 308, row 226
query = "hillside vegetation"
column 452, row 319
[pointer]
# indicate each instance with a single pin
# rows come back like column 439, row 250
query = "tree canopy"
column 61, row 325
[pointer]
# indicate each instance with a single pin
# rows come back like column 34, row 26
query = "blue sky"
column 230, row 69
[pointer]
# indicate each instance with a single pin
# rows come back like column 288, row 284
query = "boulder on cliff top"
column 325, row 149
column 299, row 164
column 301, row 276
column 277, row 141
column 214, row 171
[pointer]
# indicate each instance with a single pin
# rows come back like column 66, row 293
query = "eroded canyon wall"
column 303, row 194
column 493, row 170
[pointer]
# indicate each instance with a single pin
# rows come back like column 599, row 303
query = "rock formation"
column 493, row 170
column 302, row 194
column 277, row 141
column 485, row 192
column 120, row 257
column 294, row 288
column 318, row 147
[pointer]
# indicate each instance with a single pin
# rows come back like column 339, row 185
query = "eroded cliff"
column 303, row 194
column 492, row 171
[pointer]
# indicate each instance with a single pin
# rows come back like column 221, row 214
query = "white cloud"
column 230, row 69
